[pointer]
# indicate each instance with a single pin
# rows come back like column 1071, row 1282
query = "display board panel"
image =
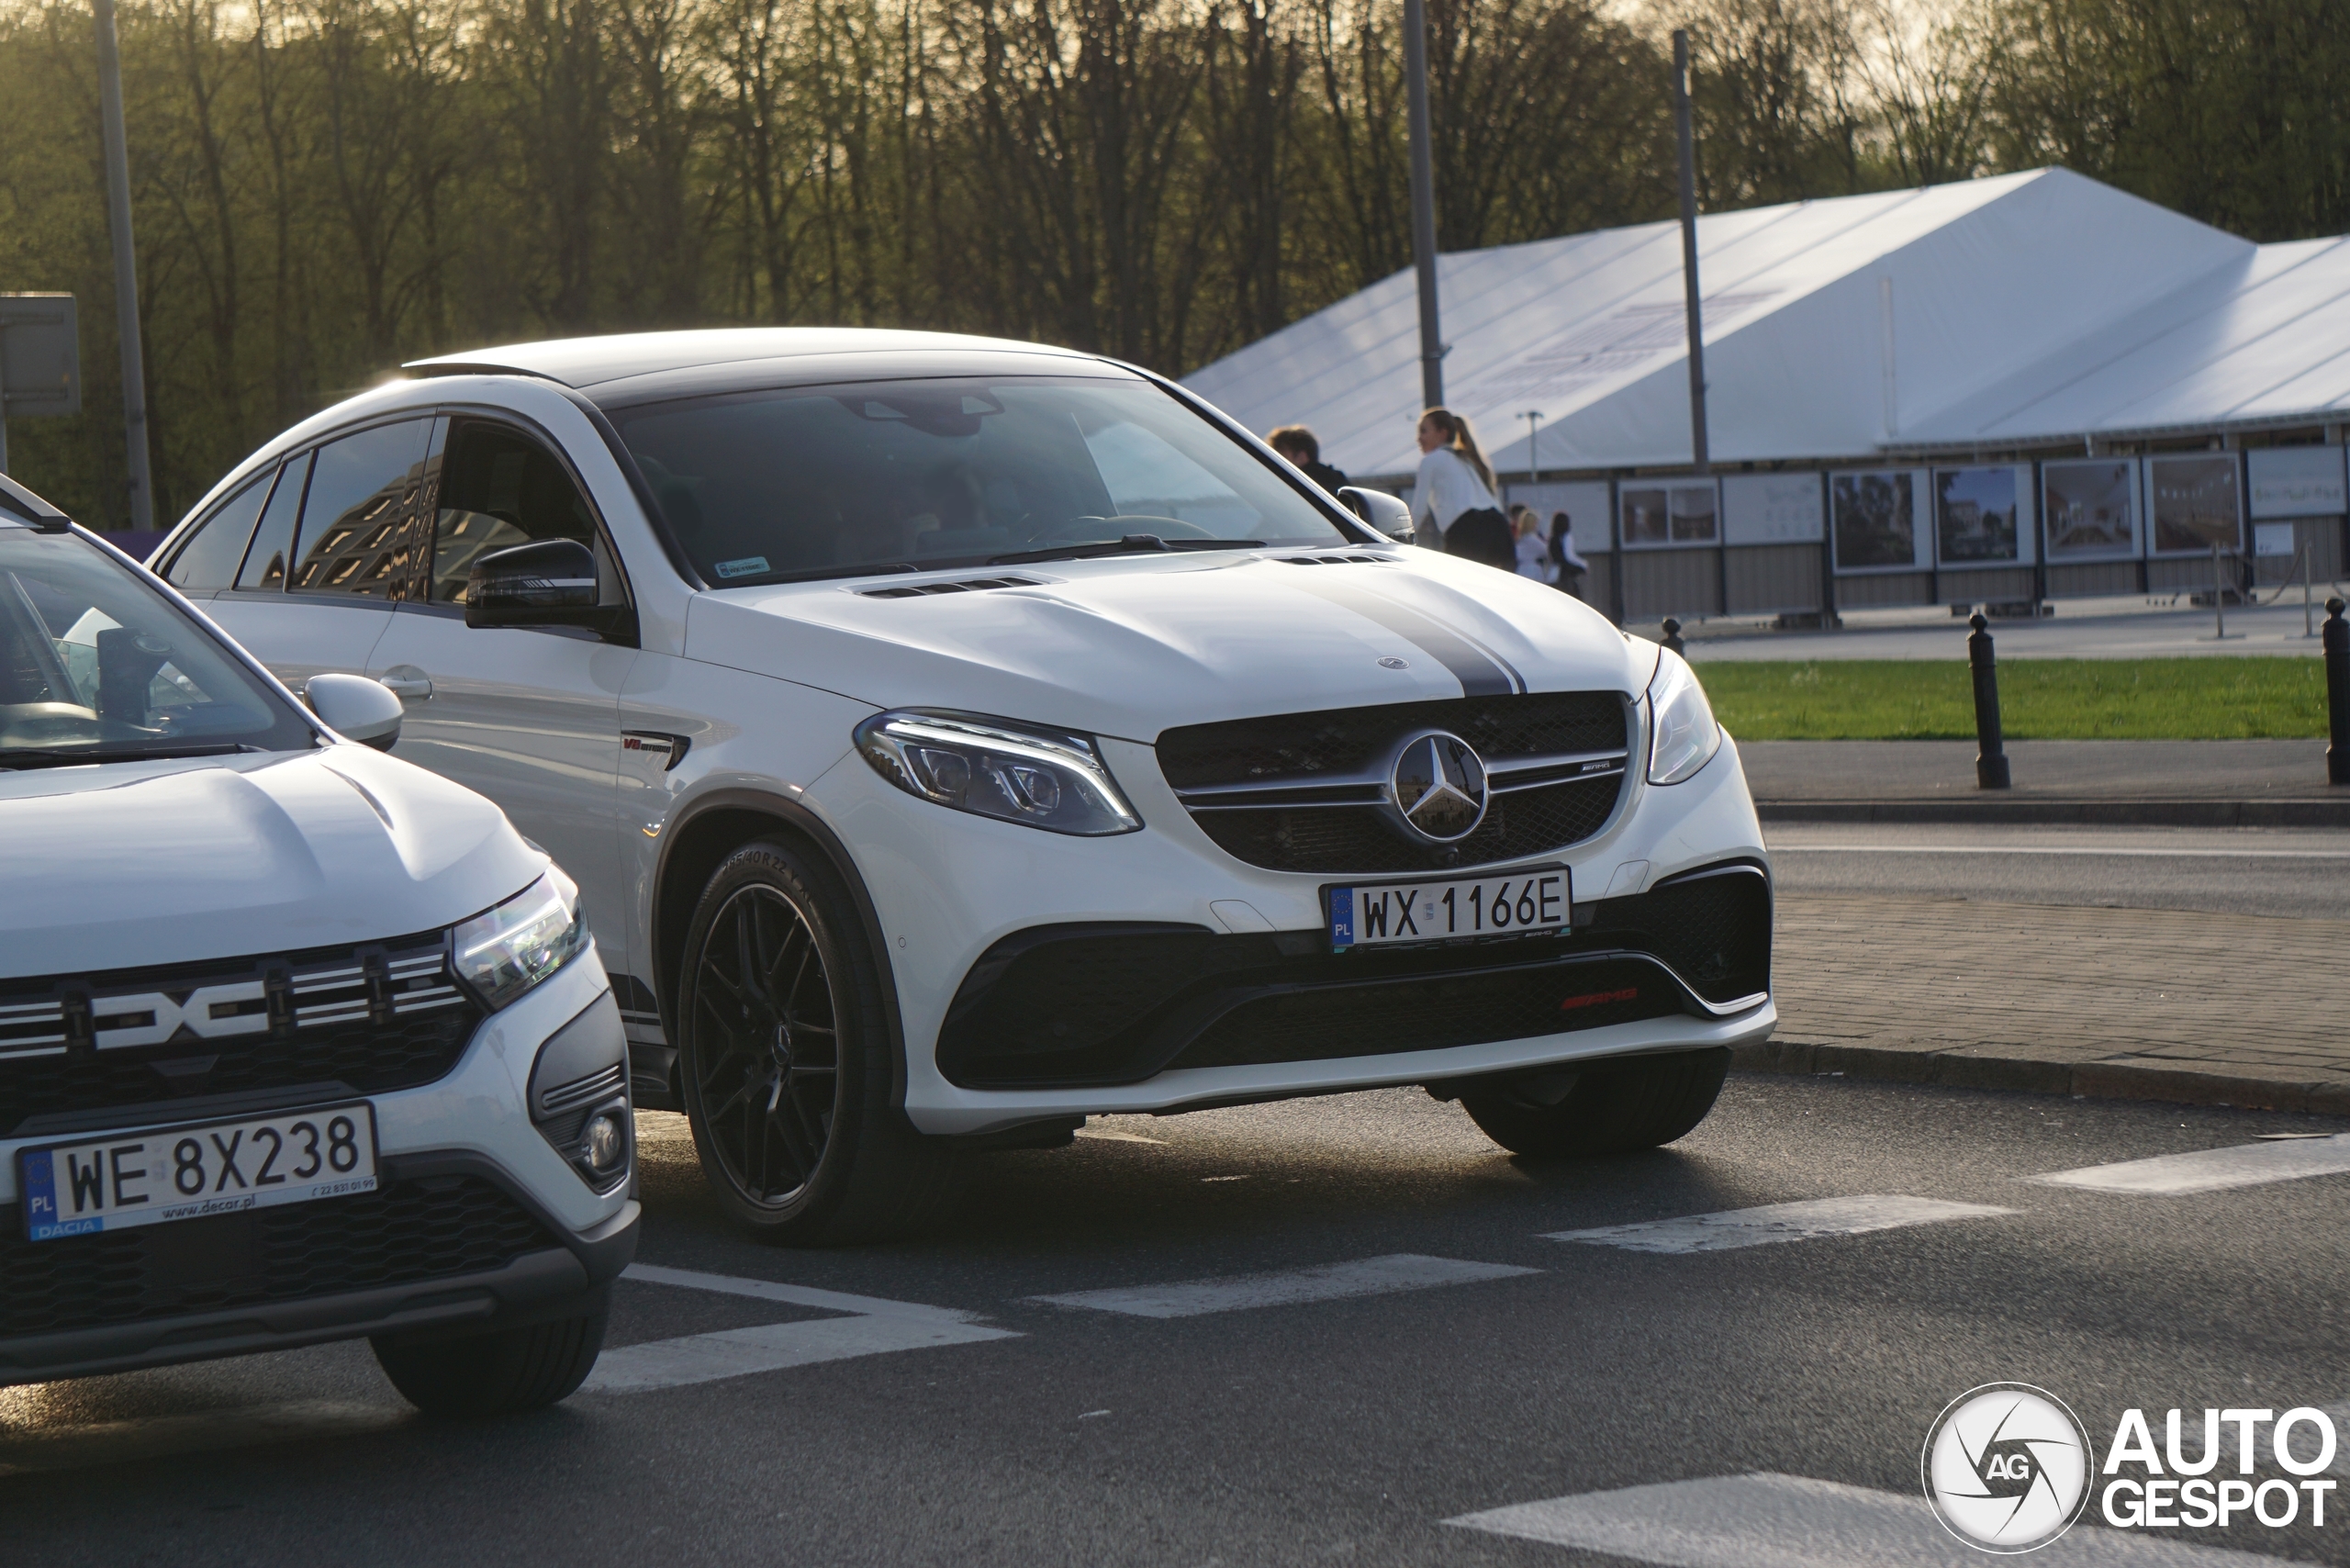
column 2091, row 507
column 1660, row 514
column 1983, row 517
column 1773, row 509
column 1878, row 520
column 2297, row 481
column 2196, row 500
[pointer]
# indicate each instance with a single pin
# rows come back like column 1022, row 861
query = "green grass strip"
column 2040, row 699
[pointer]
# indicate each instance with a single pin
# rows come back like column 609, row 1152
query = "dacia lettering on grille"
column 338, row 993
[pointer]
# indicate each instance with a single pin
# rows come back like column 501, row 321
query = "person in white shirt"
column 1454, row 494
column 1533, row 549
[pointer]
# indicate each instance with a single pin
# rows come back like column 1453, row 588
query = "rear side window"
column 359, row 529
column 264, row 566
column 500, row 489
column 208, row 560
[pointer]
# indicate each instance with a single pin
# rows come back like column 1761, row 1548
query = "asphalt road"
column 2291, row 872
column 1265, row 1429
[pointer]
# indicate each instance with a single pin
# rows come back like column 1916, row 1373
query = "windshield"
column 96, row 666
column 837, row 481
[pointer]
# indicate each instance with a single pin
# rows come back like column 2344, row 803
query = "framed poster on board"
column 2091, row 505
column 2195, row 502
column 1660, row 514
column 1983, row 517
column 2297, row 481
column 1874, row 518
column 1771, row 508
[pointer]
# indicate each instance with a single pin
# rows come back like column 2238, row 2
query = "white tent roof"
column 2032, row 306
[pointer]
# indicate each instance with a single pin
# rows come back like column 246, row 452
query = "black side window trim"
column 268, row 482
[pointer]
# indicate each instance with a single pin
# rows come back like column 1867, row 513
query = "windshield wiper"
column 1131, row 544
column 62, row 756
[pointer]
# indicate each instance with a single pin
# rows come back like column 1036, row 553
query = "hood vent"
column 1335, row 560
column 960, row 585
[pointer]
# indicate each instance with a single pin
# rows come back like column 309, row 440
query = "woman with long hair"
column 1454, row 493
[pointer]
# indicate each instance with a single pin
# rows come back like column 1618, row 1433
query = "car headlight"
column 1683, row 736
column 505, row 951
column 1046, row 778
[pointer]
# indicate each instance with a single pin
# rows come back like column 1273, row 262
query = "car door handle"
column 407, row 681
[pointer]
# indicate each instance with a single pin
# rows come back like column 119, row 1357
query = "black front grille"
column 371, row 1020
column 410, row 1231
column 1355, row 840
column 1356, row 743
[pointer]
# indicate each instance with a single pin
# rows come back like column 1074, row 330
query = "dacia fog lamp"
column 504, row 952
column 1683, row 736
column 1046, row 779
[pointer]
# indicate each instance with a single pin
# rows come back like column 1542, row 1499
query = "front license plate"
column 1528, row 903
column 155, row 1176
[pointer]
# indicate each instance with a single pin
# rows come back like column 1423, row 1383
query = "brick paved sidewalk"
column 2142, row 1004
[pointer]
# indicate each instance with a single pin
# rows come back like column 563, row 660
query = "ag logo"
column 2006, row 1467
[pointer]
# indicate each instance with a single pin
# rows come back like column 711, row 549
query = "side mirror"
column 550, row 582
column 355, row 708
column 1381, row 511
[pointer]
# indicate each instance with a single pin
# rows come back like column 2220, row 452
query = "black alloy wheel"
column 784, row 1056
column 1610, row 1106
column 768, row 1070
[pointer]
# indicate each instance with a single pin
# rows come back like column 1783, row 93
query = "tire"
column 786, row 1078
column 499, row 1373
column 1613, row 1106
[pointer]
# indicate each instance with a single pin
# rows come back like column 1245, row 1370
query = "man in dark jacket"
column 1297, row 444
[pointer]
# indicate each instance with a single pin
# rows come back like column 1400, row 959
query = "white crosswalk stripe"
column 1806, row 1221
column 2211, row 1170
column 1335, row 1281
column 878, row 1327
column 1786, row 1521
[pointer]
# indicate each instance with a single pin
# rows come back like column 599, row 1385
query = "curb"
column 2089, row 1080
column 2320, row 812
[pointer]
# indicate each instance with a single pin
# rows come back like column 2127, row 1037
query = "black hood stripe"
column 1480, row 673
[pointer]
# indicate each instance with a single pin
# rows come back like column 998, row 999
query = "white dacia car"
column 954, row 738
column 297, row 1042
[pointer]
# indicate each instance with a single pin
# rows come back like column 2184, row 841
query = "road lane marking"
column 2211, row 1170
column 793, row 1295
column 1806, row 1221
column 2059, row 849
column 743, row 1353
column 1786, row 1521
column 35, row 1449
column 1109, row 1137
column 1333, row 1282
column 877, row 1327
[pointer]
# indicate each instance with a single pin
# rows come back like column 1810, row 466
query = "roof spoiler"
column 47, row 519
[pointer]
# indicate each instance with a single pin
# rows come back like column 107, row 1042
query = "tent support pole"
column 1416, row 65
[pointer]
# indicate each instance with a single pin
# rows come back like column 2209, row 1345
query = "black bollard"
column 1672, row 635
column 2337, row 694
column 1991, row 759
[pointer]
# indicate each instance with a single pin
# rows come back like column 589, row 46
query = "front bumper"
column 949, row 889
column 477, row 1223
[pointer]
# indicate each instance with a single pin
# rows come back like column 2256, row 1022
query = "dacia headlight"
column 1683, row 736
column 505, row 951
column 1046, row 778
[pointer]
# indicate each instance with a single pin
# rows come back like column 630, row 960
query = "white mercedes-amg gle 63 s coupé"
column 953, row 739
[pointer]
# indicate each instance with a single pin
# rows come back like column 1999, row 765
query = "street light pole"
column 1687, row 138
column 126, row 269
column 1415, row 67
column 1533, row 418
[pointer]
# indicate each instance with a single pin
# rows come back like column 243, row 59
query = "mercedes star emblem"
column 1439, row 785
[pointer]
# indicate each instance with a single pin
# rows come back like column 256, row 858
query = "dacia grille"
column 367, row 1019
column 1309, row 791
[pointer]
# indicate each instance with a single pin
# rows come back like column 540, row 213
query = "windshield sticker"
column 746, row 567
